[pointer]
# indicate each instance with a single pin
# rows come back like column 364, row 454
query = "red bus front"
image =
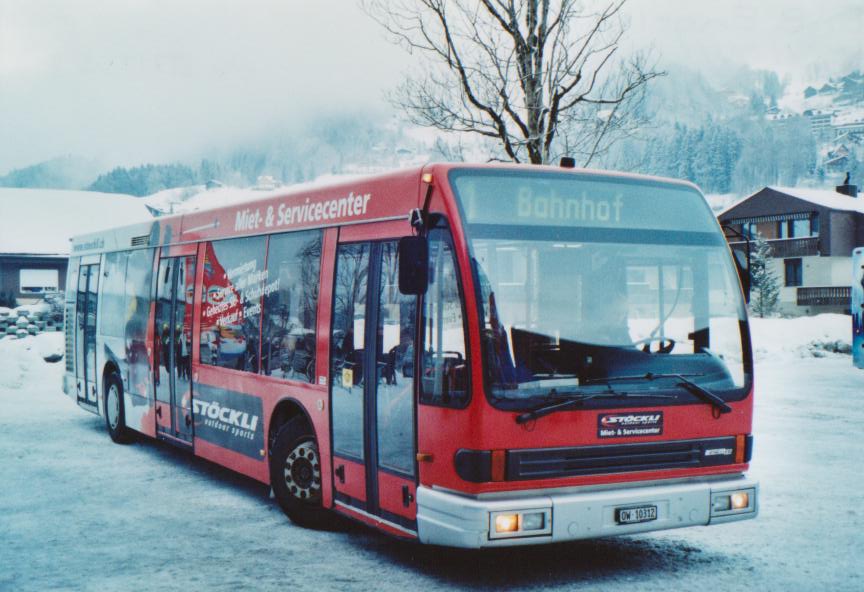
column 586, row 367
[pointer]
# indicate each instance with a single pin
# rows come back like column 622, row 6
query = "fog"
column 803, row 41
column 158, row 80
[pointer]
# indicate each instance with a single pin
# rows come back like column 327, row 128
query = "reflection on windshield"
column 562, row 313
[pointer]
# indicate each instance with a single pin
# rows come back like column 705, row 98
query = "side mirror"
column 742, row 263
column 413, row 265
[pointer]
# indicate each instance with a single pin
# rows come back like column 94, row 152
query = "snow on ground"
column 777, row 339
column 50, row 346
column 80, row 513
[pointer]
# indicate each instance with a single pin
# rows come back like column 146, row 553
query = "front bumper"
column 446, row 518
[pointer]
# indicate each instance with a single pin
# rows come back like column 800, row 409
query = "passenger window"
column 347, row 347
column 138, row 275
column 445, row 366
column 234, row 283
column 394, row 357
column 290, row 306
column 113, row 295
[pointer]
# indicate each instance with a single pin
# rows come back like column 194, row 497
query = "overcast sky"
column 154, row 80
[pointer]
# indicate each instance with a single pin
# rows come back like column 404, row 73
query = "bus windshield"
column 587, row 280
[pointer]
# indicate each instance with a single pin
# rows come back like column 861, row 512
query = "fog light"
column 739, row 500
column 506, row 523
column 722, row 503
column 534, row 521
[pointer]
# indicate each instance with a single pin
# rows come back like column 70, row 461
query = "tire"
column 295, row 475
column 114, row 417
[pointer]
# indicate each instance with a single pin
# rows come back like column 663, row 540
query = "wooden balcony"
column 782, row 248
column 824, row 296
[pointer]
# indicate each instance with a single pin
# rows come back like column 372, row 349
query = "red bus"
column 465, row 355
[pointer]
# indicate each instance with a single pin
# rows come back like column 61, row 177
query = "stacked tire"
column 21, row 323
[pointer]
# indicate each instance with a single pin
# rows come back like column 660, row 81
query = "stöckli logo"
column 623, row 425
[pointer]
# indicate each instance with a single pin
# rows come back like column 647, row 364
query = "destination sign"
column 546, row 198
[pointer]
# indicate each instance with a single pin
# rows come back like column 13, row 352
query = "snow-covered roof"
column 41, row 221
column 821, row 197
column 825, row 198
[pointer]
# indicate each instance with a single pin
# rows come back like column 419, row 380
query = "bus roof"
column 386, row 196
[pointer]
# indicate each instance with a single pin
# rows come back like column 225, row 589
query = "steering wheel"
column 664, row 344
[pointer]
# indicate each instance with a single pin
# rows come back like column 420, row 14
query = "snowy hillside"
column 42, row 221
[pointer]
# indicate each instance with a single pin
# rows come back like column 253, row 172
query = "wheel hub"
column 302, row 472
column 113, row 407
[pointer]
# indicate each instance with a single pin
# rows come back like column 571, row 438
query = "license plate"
column 634, row 515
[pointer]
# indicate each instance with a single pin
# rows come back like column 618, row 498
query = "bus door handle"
column 188, row 420
column 158, row 411
column 407, row 497
column 340, row 473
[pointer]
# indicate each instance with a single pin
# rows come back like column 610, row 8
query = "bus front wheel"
column 295, row 475
column 114, row 417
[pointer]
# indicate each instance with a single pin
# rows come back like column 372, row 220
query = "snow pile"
column 50, row 346
column 40, row 308
column 802, row 337
column 17, row 357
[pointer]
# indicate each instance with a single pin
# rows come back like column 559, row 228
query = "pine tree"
column 764, row 283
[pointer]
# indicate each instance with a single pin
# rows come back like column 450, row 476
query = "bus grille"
column 68, row 328
column 549, row 463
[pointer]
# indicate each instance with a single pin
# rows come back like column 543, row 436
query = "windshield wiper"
column 576, row 399
column 690, row 386
column 705, row 395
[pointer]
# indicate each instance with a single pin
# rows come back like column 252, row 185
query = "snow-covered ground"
column 80, row 513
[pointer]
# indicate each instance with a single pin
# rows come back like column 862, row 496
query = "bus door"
column 85, row 331
column 172, row 347
column 372, row 385
column 858, row 307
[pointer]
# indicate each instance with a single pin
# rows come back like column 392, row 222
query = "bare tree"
column 540, row 78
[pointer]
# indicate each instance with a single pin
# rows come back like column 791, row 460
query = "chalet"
column 812, row 234
column 35, row 228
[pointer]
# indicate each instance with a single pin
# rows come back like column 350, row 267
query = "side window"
column 290, row 306
column 113, row 292
column 444, row 361
column 394, row 365
column 234, row 283
column 139, row 270
column 347, row 347
column 90, row 331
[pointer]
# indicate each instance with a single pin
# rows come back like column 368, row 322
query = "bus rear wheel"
column 114, row 416
column 295, row 475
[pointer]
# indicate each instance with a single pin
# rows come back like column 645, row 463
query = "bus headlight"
column 520, row 523
column 506, row 523
column 740, row 500
column 732, row 502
